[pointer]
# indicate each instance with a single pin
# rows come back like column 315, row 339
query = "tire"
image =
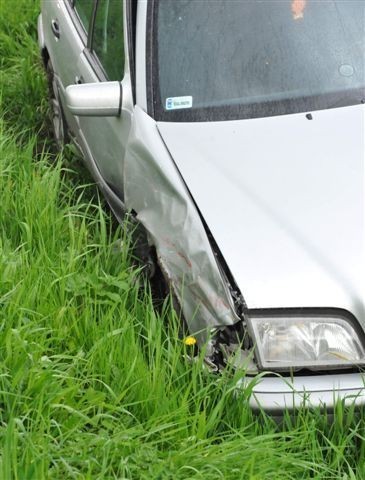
column 57, row 117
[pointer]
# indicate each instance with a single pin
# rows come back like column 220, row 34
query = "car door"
column 65, row 27
column 105, row 58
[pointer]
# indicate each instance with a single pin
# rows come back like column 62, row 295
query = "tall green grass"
column 94, row 383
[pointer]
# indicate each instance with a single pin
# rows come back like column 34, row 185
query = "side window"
column 108, row 38
column 84, row 10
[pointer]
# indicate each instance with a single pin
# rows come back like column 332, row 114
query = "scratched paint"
column 174, row 227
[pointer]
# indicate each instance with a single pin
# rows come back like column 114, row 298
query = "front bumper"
column 276, row 394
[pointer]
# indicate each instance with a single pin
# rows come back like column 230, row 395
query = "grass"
column 94, row 383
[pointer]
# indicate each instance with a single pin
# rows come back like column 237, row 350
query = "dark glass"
column 84, row 9
column 257, row 58
column 108, row 38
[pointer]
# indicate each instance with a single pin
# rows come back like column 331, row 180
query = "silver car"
column 233, row 133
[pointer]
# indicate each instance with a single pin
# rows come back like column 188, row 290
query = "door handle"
column 79, row 79
column 55, row 26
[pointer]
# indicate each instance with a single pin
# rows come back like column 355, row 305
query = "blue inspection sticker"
column 175, row 103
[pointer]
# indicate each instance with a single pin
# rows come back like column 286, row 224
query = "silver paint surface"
column 284, row 199
column 276, row 394
column 153, row 188
column 94, row 99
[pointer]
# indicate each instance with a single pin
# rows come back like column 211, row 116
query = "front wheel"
column 59, row 125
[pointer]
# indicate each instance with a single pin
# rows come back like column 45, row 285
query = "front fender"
column 155, row 190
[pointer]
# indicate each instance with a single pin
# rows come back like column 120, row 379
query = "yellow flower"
column 189, row 341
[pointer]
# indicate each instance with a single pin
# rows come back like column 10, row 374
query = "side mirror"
column 102, row 99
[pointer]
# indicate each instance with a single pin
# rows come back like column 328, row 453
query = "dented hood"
column 284, row 200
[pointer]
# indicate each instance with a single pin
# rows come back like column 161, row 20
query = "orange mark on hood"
column 297, row 8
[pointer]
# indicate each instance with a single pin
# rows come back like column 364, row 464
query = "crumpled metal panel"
column 155, row 190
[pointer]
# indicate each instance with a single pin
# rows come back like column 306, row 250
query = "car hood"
column 284, row 200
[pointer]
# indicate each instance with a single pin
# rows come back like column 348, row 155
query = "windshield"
column 221, row 59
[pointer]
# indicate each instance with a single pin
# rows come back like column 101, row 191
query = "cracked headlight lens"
column 311, row 341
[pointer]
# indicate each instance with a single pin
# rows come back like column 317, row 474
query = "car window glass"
column 108, row 38
column 84, row 9
column 258, row 58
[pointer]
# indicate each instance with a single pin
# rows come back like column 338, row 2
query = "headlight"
column 306, row 340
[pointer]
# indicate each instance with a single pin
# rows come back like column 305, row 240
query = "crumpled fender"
column 155, row 190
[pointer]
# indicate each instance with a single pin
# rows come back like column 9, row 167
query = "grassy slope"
column 90, row 384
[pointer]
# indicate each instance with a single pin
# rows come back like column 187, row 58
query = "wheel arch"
column 45, row 56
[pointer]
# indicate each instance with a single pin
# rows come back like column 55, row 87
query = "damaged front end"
column 155, row 190
column 212, row 305
column 282, row 340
